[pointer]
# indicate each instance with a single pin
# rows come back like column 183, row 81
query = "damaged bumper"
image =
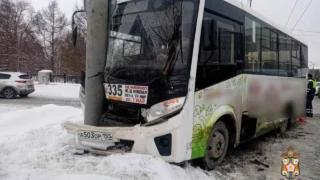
column 166, row 140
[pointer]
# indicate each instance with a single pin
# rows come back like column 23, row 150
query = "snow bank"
column 33, row 146
column 56, row 91
column 22, row 121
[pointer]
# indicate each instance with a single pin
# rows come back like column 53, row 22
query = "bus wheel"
column 217, row 146
column 284, row 126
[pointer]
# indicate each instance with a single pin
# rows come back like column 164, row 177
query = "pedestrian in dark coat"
column 310, row 95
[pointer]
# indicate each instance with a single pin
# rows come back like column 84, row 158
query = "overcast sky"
column 66, row 6
column 276, row 10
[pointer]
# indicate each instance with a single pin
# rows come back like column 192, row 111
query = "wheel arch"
column 1, row 92
column 230, row 122
column 225, row 114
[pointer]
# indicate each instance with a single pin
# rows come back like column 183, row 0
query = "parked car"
column 317, row 89
column 13, row 84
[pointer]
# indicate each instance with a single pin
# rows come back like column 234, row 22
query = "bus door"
column 220, row 56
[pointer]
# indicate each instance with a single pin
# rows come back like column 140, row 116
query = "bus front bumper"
column 166, row 140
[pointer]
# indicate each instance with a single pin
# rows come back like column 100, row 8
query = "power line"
column 306, row 35
column 302, row 15
column 291, row 12
column 304, row 30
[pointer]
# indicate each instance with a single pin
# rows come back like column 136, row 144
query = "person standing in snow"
column 310, row 95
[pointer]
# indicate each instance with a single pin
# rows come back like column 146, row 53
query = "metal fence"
column 61, row 78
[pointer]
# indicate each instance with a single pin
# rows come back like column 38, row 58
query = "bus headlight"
column 165, row 108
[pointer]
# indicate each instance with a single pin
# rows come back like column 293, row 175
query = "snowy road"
column 34, row 146
column 39, row 101
column 305, row 140
column 316, row 105
column 56, row 93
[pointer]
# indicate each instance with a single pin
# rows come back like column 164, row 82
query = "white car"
column 317, row 89
column 13, row 84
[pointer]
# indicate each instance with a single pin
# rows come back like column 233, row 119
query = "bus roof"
column 261, row 17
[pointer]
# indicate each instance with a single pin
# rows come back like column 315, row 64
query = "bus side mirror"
column 209, row 35
column 74, row 36
column 75, row 28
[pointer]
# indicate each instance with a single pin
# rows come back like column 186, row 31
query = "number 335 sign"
column 114, row 90
column 127, row 93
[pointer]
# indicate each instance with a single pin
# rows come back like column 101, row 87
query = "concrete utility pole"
column 97, row 38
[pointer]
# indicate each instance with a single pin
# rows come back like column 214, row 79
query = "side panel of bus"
column 246, row 77
column 273, row 99
column 266, row 98
column 210, row 105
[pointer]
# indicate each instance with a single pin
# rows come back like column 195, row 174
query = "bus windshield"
column 148, row 38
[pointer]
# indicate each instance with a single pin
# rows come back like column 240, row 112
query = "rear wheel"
column 217, row 146
column 9, row 93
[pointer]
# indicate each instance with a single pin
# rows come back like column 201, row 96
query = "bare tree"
column 19, row 45
column 72, row 60
column 50, row 23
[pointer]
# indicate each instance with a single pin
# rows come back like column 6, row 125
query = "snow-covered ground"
column 56, row 91
column 34, row 146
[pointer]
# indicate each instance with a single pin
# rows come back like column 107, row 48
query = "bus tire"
column 217, row 146
column 284, row 126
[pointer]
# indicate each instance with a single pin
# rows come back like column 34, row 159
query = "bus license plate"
column 95, row 136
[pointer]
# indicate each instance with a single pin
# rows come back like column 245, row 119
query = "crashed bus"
column 188, row 79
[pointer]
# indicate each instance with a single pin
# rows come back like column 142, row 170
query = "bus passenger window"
column 284, row 55
column 304, row 57
column 297, row 63
column 269, row 51
column 252, row 46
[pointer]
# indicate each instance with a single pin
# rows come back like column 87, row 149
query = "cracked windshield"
column 149, row 38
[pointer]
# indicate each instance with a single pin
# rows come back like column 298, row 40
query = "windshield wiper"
column 175, row 56
column 172, row 55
